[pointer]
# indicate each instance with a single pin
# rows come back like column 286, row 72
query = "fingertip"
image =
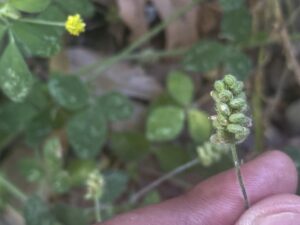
column 276, row 210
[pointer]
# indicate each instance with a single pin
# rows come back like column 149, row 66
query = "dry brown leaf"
column 132, row 13
column 183, row 31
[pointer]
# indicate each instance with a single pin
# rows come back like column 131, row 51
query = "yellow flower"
column 75, row 25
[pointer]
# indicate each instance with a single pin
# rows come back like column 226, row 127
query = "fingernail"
column 286, row 218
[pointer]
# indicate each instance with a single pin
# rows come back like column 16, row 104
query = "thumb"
column 275, row 210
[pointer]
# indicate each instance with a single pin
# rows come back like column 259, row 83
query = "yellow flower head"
column 75, row 25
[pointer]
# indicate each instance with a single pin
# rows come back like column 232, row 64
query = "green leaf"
column 181, row 88
column 87, row 132
column 171, row 156
column 237, row 63
column 165, row 123
column 61, row 182
column 115, row 185
column 152, row 197
column 31, row 169
column 69, row 215
column 129, row 146
column 80, row 169
column 38, row 129
column 40, row 40
column 199, row 125
column 228, row 5
column 68, row 91
column 30, row 6
column 236, row 25
column 3, row 30
column 83, row 7
column 204, row 56
column 36, row 212
column 15, row 78
column 15, row 116
column 53, row 155
column 115, row 106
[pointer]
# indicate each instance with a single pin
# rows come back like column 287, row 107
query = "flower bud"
column 239, row 118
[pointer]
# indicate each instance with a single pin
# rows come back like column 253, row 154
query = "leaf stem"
column 12, row 189
column 239, row 175
column 134, row 198
column 42, row 22
column 97, row 210
column 145, row 38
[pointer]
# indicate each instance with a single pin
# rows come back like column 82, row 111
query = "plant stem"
column 42, row 22
column 134, row 198
column 145, row 38
column 97, row 210
column 143, row 56
column 12, row 189
column 239, row 175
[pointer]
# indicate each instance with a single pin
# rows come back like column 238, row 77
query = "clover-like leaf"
column 180, row 87
column 15, row 78
column 165, row 123
column 68, row 91
column 87, row 132
column 30, row 6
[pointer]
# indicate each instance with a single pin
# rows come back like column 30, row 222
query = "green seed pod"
column 222, row 120
column 237, row 103
column 239, row 118
column 235, row 128
column 210, row 153
column 237, row 88
column 230, row 81
column 225, row 96
column 231, row 122
column 219, row 86
column 223, row 109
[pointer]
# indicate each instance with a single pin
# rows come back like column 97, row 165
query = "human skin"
column 270, row 180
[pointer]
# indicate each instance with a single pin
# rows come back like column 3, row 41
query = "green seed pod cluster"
column 95, row 185
column 231, row 123
column 210, row 153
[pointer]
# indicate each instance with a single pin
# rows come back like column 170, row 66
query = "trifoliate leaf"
column 115, row 106
column 180, row 87
column 165, row 123
column 15, row 78
column 115, row 185
column 68, row 91
column 87, row 132
column 204, row 56
column 236, row 25
column 199, row 125
column 129, row 146
column 30, row 6
column 36, row 212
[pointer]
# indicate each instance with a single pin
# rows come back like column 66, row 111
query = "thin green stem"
column 42, row 22
column 145, row 38
column 12, row 189
column 134, row 198
column 237, row 166
column 143, row 56
column 97, row 210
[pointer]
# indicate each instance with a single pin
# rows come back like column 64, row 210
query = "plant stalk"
column 237, row 166
column 97, row 210
column 12, row 189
